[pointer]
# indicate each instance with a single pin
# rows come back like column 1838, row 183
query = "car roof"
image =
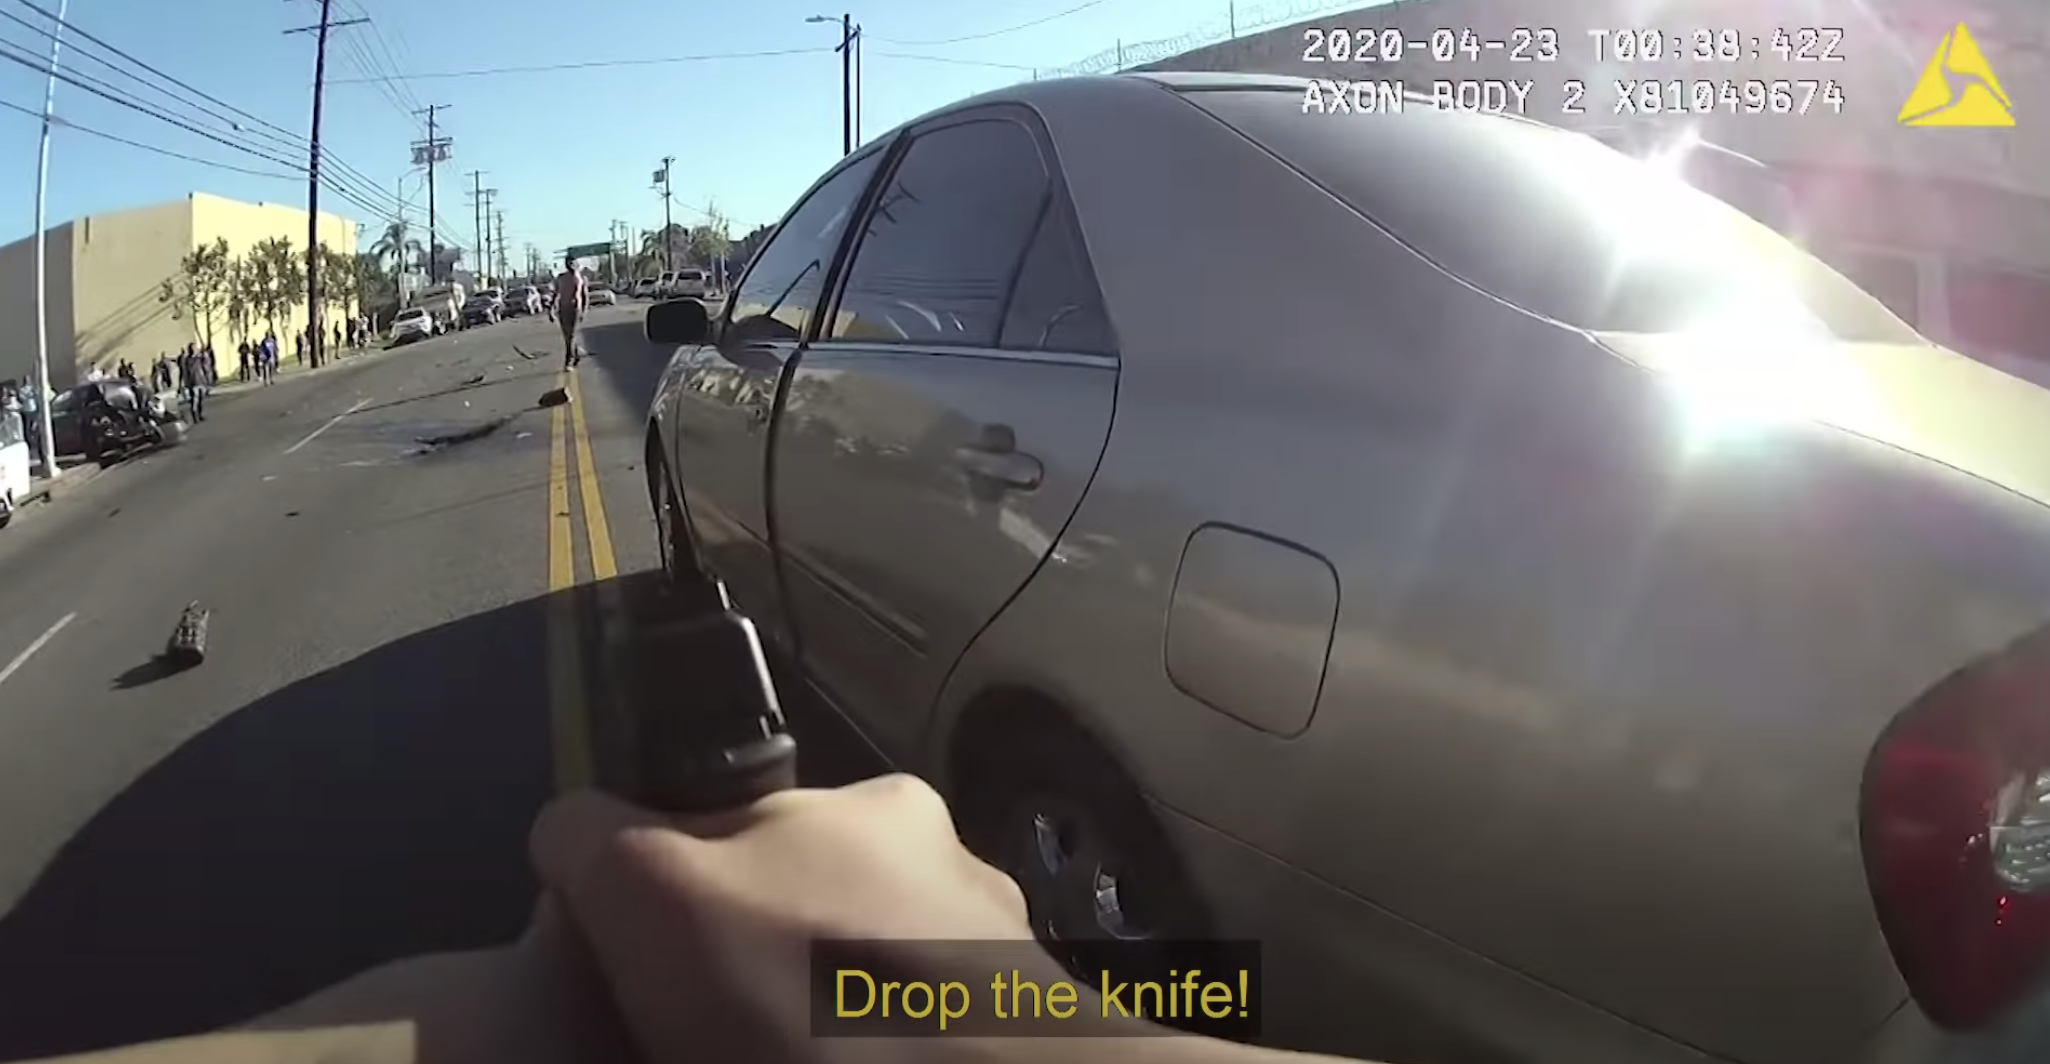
column 1146, row 167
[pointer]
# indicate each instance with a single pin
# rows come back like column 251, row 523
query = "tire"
column 693, row 591
column 1041, row 800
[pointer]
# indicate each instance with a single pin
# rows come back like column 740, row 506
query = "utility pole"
column 477, row 217
column 850, row 37
column 489, row 263
column 668, row 225
column 622, row 232
column 504, row 265
column 45, row 431
column 432, row 151
column 314, row 350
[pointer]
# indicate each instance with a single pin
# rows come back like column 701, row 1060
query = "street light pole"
column 44, row 430
column 849, row 35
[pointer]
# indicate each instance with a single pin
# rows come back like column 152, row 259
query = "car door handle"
column 758, row 415
column 1013, row 468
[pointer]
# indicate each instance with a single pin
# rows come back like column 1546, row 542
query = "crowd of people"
column 191, row 374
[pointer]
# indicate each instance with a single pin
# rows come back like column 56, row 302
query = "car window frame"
column 888, row 148
column 1056, row 196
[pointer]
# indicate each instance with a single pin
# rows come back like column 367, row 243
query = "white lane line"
column 331, row 423
column 22, row 658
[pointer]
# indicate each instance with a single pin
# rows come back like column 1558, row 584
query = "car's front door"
column 729, row 391
column 940, row 431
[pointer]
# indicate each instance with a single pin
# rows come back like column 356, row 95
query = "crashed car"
column 480, row 309
column 111, row 419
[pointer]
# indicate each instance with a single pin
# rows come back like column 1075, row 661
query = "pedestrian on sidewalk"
column 242, row 363
column 192, row 383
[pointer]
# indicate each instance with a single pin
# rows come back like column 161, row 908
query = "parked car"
column 1553, row 644
column 645, row 288
column 413, row 323
column 692, row 284
column 15, row 464
column 665, row 284
column 481, row 309
column 601, row 295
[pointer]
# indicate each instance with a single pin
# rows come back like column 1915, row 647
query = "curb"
column 233, row 387
column 74, row 478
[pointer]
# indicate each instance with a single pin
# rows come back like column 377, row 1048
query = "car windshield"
column 1559, row 224
column 410, row 315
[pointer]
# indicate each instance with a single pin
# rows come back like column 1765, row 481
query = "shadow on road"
column 629, row 364
column 373, row 811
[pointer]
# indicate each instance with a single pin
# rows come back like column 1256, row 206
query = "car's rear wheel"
column 1042, row 801
column 693, row 590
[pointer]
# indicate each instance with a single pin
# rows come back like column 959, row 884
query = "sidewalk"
column 289, row 370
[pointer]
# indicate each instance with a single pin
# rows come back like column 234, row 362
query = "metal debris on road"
column 478, row 379
column 555, row 397
column 187, row 645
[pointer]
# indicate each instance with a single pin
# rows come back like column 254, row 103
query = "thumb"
column 578, row 834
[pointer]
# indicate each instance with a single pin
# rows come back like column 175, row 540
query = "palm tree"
column 676, row 238
column 396, row 247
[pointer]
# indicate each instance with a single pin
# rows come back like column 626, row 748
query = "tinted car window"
column 783, row 285
column 945, row 238
column 1558, row 224
column 1056, row 305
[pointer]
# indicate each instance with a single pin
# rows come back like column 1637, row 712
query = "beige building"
column 105, row 282
column 1951, row 227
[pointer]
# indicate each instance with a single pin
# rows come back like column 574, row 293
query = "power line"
column 254, row 124
column 593, row 64
column 999, row 33
column 65, row 123
column 953, row 61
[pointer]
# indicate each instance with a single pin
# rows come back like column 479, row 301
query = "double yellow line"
column 569, row 715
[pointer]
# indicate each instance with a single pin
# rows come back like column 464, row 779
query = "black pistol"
column 721, row 741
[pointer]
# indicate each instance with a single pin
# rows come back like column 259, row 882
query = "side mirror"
column 678, row 321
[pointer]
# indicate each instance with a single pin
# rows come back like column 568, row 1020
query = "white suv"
column 691, row 283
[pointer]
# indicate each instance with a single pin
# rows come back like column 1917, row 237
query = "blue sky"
column 568, row 149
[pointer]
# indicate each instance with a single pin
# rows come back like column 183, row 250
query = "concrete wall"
column 1957, row 219
column 105, row 282
column 243, row 226
column 120, row 261
column 18, row 309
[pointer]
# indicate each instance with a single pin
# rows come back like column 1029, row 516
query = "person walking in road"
column 572, row 295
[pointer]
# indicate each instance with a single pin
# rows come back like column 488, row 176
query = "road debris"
column 554, row 397
column 187, row 645
column 431, row 444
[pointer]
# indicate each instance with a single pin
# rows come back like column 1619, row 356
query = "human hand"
column 703, row 925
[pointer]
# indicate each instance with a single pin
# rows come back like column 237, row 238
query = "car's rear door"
column 941, row 430
column 728, row 395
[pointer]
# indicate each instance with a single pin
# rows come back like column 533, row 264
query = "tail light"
column 1956, row 831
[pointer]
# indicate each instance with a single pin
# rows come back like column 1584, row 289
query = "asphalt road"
column 413, row 640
